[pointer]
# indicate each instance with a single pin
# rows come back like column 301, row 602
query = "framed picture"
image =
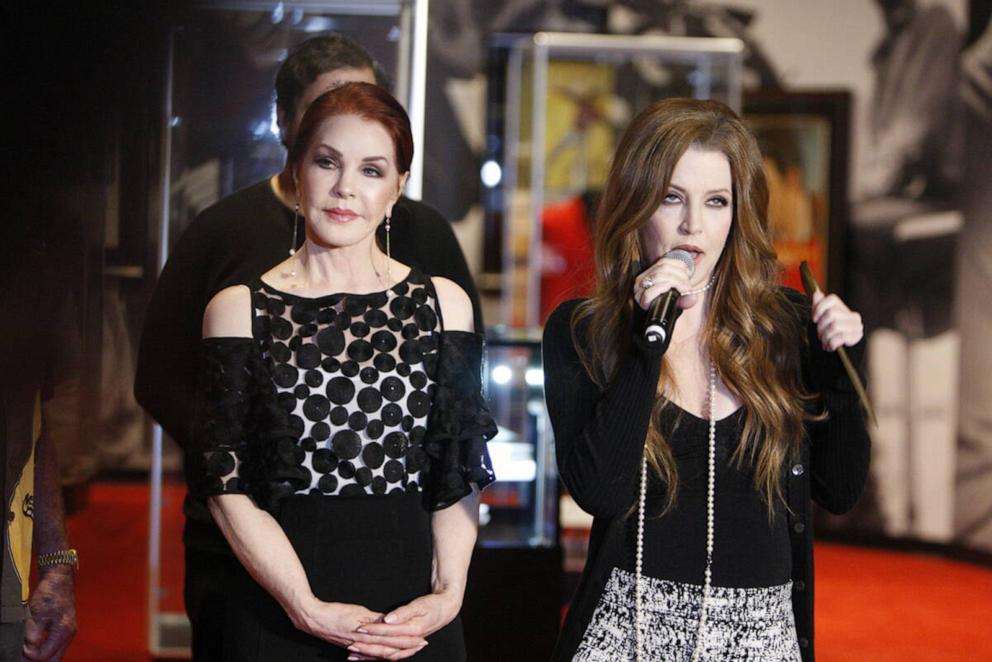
column 804, row 139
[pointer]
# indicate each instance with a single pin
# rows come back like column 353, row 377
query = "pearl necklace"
column 710, row 500
column 700, row 289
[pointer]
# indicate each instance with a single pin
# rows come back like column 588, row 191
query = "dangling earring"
column 292, row 246
column 389, row 254
column 296, row 224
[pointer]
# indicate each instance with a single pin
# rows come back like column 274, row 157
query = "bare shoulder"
column 228, row 315
column 456, row 307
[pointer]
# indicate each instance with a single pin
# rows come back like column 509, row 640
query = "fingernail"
column 389, row 619
column 362, row 630
column 353, row 647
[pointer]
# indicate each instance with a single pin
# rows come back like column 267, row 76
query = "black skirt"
column 374, row 551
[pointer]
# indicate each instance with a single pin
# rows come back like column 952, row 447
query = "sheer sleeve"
column 243, row 440
column 459, row 424
column 222, row 418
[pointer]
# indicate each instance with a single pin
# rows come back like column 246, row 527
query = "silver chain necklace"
column 710, row 500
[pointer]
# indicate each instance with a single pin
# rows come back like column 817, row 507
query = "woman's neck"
column 692, row 320
column 316, row 270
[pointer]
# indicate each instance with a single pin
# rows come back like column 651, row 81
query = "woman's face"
column 696, row 212
column 348, row 180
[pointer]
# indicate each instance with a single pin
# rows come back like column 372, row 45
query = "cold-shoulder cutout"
column 454, row 304
column 228, row 315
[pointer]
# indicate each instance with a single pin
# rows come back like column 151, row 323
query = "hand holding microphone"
column 658, row 290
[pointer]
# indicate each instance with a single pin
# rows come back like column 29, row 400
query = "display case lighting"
column 513, row 462
column 491, row 174
column 502, row 374
column 534, row 376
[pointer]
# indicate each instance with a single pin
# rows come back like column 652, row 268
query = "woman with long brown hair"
column 698, row 456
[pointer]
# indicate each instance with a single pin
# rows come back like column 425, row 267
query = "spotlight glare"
column 491, row 174
column 534, row 376
column 502, row 374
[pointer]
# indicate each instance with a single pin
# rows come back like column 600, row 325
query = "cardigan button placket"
column 798, row 470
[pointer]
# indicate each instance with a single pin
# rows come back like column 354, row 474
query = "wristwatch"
column 61, row 557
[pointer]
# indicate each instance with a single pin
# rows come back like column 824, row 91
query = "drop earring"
column 292, row 245
column 389, row 254
column 296, row 224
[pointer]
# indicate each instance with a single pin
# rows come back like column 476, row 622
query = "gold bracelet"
column 61, row 557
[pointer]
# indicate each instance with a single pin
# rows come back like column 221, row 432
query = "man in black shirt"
column 231, row 242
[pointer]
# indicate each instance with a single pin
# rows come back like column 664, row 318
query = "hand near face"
column 420, row 618
column 836, row 324
column 665, row 274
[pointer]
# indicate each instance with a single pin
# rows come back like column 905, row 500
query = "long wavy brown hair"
column 752, row 332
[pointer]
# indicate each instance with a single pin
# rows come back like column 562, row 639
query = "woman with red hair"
column 341, row 435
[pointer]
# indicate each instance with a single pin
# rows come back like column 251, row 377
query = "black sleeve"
column 221, row 425
column 167, row 354
column 242, row 441
column 840, row 445
column 437, row 249
column 459, row 424
column 599, row 434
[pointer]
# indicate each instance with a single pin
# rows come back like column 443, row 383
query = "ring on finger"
column 647, row 284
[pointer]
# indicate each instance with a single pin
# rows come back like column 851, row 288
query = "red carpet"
column 874, row 606
column 887, row 607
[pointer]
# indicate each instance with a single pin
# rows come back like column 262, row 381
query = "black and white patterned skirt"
column 742, row 624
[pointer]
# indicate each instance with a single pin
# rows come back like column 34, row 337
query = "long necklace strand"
column 710, row 500
column 639, row 559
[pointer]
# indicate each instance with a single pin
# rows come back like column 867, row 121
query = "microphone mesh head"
column 685, row 257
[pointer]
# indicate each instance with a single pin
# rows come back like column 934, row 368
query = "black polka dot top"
column 343, row 395
column 351, row 370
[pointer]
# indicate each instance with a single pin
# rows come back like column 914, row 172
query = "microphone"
column 664, row 310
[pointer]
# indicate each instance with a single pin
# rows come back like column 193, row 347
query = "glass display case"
column 515, row 581
column 557, row 105
column 220, row 135
column 520, row 508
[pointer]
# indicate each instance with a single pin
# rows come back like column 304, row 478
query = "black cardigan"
column 599, row 438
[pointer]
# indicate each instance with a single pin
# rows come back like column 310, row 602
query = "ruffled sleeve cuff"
column 243, row 440
column 459, row 424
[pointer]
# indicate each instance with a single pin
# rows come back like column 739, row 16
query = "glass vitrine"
column 520, row 508
column 515, row 582
column 557, row 105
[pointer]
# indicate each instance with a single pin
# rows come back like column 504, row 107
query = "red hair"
column 370, row 102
